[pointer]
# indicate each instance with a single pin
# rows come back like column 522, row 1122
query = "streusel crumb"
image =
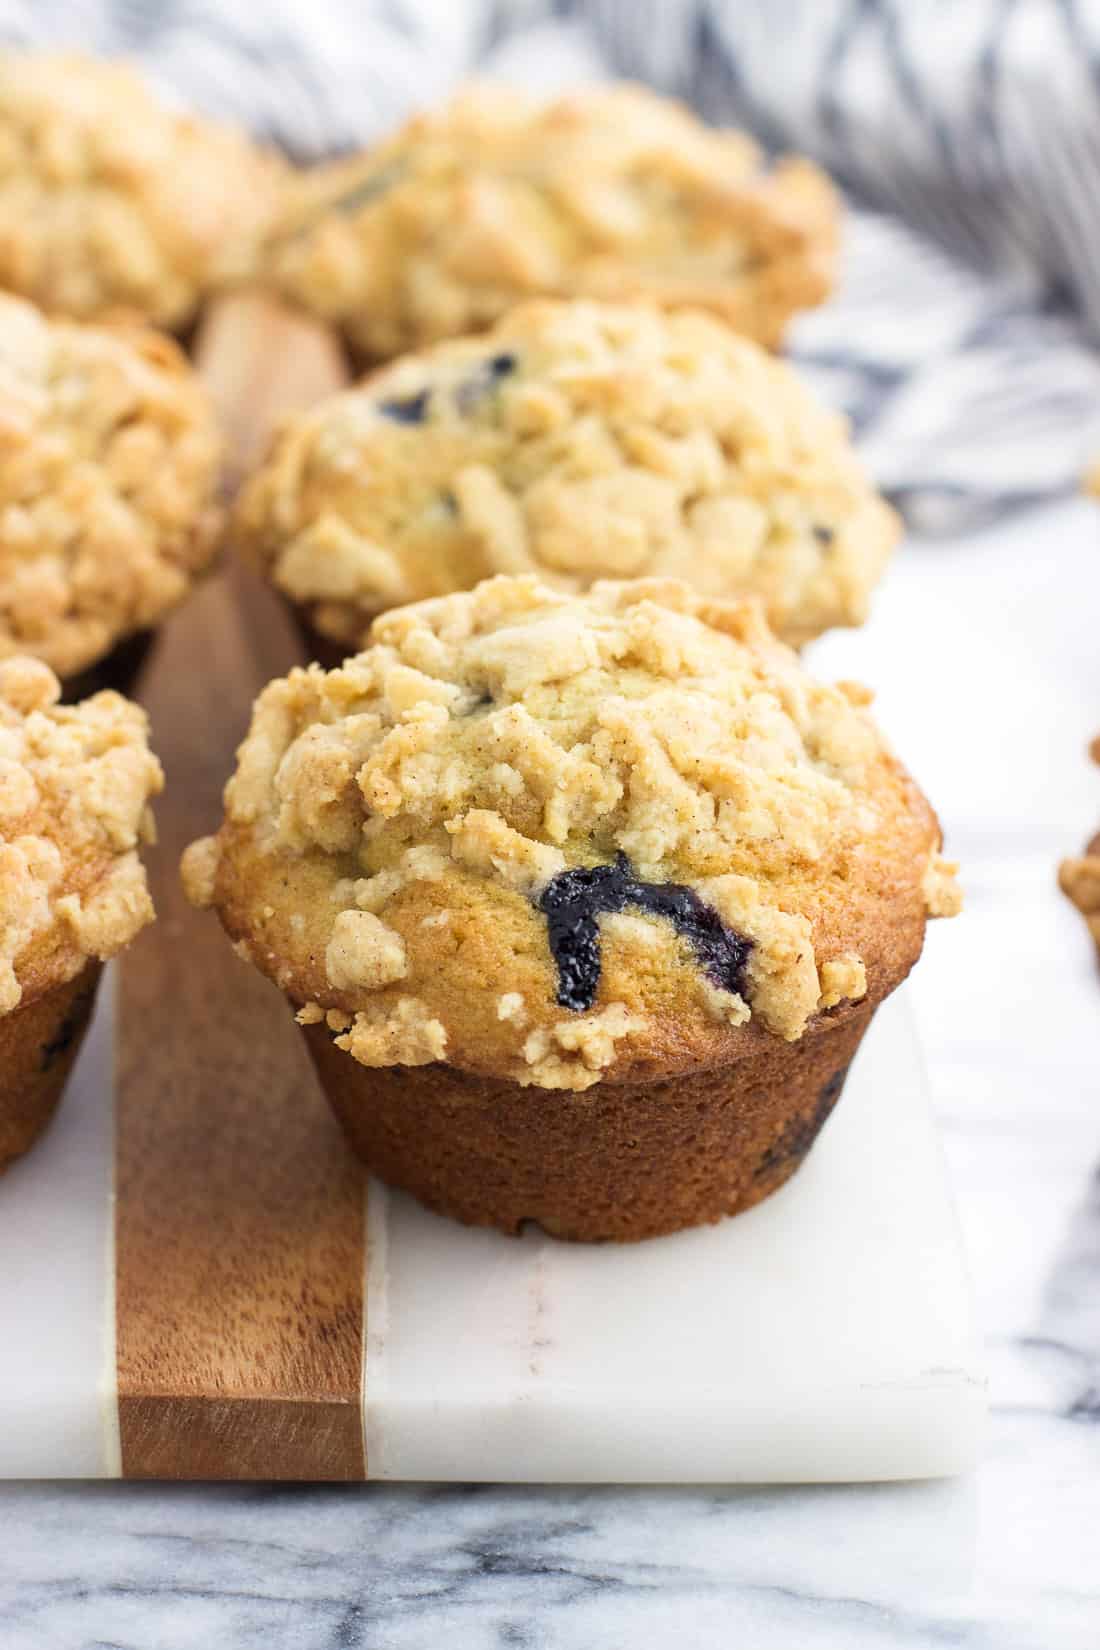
column 109, row 458
column 579, row 441
column 647, row 828
column 610, row 193
column 75, row 786
column 111, row 200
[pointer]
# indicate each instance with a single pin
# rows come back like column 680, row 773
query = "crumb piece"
column 727, row 1006
column 942, row 895
column 575, row 1053
column 842, row 979
column 512, row 1008
column 856, row 693
column 199, row 871
column 404, row 1033
column 482, row 841
column 363, row 952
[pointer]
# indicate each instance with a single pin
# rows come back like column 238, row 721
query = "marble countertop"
column 986, row 657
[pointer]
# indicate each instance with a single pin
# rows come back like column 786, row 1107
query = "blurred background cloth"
column 966, row 133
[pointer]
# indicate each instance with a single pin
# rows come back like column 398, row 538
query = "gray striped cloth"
column 966, row 133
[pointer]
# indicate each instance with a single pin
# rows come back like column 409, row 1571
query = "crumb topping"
column 75, row 785
column 612, row 193
column 111, row 200
column 405, row 815
column 109, row 457
column 578, row 441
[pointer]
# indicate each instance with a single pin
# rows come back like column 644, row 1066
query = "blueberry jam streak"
column 409, row 409
column 574, row 900
column 481, row 383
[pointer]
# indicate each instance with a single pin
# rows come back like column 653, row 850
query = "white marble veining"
column 987, row 658
column 825, row 1336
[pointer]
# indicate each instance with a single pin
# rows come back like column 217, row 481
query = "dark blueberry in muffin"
column 473, row 391
column 573, row 901
column 408, row 409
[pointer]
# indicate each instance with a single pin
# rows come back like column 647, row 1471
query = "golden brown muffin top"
column 109, row 459
column 559, row 837
column 612, row 192
column 578, row 441
column 75, row 784
column 109, row 198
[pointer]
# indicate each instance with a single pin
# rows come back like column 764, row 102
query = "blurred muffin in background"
column 578, row 441
column 75, row 786
column 1079, row 878
column 109, row 464
column 613, row 193
column 111, row 200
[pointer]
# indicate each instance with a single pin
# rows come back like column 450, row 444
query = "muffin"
column 75, row 784
column 109, row 463
column 611, row 193
column 110, row 199
column 1079, row 878
column 578, row 441
column 583, row 901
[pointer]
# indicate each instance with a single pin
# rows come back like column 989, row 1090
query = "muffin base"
column 620, row 1161
column 39, row 1041
column 120, row 669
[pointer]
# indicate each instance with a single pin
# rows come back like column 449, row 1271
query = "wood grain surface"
column 240, row 1213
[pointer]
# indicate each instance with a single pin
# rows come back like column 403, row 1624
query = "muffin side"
column 110, row 199
column 612, row 193
column 576, row 441
column 39, row 1043
column 109, row 471
column 624, row 1161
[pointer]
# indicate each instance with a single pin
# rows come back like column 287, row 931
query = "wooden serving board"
column 196, row 1283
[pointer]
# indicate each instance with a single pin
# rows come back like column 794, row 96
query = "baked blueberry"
column 574, row 900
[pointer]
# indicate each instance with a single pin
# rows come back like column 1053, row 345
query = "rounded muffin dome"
column 557, row 838
column 75, row 786
column 108, row 484
column 111, row 200
column 610, row 193
column 577, row 441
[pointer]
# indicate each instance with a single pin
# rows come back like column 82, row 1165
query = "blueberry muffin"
column 110, row 199
column 584, row 902
column 612, row 193
column 1080, row 878
column 75, row 785
column 578, row 441
column 109, row 462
